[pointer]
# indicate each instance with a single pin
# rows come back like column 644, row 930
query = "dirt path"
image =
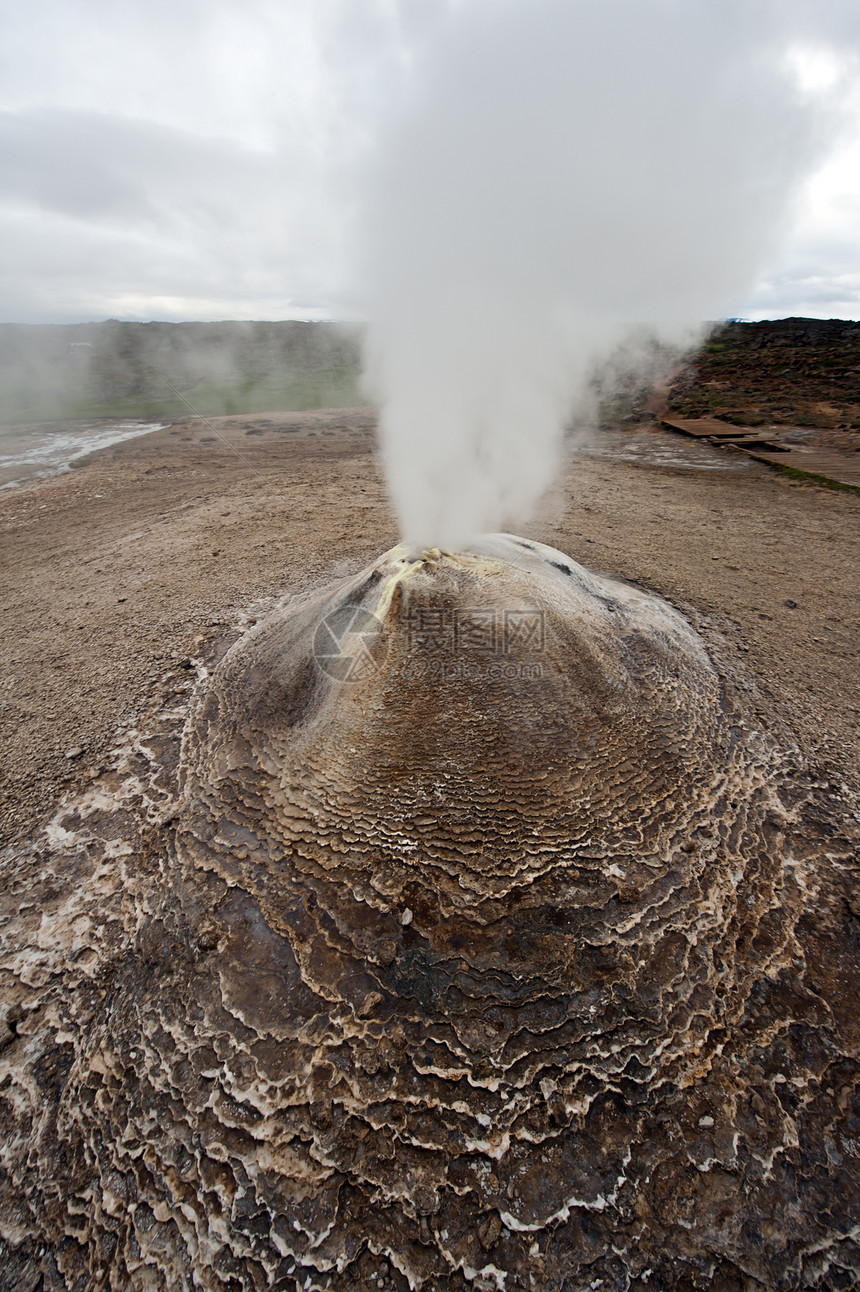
column 114, row 572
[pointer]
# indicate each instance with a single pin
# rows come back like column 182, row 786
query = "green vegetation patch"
column 807, row 477
column 161, row 371
column 803, row 372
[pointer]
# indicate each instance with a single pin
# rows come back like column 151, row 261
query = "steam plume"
column 562, row 172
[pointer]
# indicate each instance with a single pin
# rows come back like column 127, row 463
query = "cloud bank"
column 202, row 160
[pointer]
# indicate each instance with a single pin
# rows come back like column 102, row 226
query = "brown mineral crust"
column 462, row 981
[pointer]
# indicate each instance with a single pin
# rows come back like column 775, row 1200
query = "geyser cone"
column 475, row 717
column 486, row 949
column 506, row 882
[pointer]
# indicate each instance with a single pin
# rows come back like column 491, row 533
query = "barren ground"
column 115, row 572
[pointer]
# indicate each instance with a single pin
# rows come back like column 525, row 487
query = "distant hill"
column 796, row 371
column 786, row 371
column 113, row 369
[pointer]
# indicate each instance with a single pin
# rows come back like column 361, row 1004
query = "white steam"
column 562, row 171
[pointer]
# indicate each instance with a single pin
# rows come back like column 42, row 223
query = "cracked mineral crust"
column 463, row 934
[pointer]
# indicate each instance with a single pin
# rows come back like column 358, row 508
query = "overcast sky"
column 204, row 159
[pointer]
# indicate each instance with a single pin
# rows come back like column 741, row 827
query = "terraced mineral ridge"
column 474, row 940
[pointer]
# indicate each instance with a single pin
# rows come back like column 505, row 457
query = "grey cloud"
column 82, row 165
column 116, row 208
column 195, row 158
column 188, row 159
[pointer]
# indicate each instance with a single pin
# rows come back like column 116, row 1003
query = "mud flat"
column 116, row 574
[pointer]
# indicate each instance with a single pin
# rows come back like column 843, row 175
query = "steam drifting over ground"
column 560, row 175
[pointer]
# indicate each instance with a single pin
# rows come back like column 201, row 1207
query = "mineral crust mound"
column 473, row 939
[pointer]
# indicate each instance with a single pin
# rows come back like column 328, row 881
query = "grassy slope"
column 94, row 370
column 803, row 372
column 797, row 371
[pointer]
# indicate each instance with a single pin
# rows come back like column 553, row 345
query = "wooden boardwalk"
column 842, row 468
